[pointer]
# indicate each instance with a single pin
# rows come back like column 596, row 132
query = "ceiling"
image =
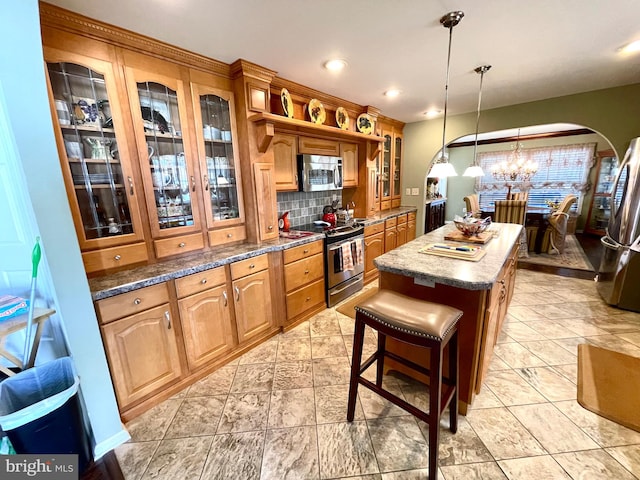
column 537, row 49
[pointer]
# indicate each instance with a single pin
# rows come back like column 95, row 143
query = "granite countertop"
column 430, row 269
column 379, row 217
column 140, row 277
column 135, row 278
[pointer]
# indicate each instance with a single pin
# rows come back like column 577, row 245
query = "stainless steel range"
column 344, row 262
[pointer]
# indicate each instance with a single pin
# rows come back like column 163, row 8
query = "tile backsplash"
column 305, row 207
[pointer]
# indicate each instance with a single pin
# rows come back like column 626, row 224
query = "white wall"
column 31, row 156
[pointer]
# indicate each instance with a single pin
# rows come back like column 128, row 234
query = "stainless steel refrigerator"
column 618, row 277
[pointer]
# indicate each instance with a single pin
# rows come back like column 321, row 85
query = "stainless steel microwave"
column 318, row 172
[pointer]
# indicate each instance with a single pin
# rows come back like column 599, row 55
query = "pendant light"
column 475, row 170
column 442, row 167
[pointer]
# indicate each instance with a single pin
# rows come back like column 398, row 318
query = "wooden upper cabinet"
column 215, row 126
column 95, row 156
column 318, row 146
column 161, row 122
column 267, row 209
column 397, row 170
column 349, row 154
column 285, row 152
column 385, row 167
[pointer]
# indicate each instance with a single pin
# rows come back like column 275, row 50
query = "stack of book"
column 11, row 306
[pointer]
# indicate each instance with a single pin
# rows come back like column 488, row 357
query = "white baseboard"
column 110, row 443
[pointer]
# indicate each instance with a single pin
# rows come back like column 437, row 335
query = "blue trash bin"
column 40, row 411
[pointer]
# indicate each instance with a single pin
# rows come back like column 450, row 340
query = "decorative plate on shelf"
column 316, row 111
column 287, row 104
column 365, row 124
column 342, row 118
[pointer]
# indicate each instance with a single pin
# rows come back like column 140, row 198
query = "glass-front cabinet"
column 160, row 121
column 397, row 170
column 600, row 208
column 215, row 127
column 94, row 153
column 385, row 174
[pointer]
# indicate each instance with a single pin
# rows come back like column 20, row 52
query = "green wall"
column 460, row 158
column 614, row 113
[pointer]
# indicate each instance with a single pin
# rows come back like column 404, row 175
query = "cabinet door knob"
column 270, row 227
column 251, row 265
column 193, row 183
column 237, row 294
column 307, row 299
column 206, row 183
column 130, row 185
column 224, row 296
column 181, row 244
column 203, row 281
column 168, row 319
column 305, row 251
column 117, row 257
column 229, row 235
column 306, row 272
column 137, row 301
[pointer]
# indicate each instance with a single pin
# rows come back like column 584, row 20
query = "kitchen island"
column 482, row 289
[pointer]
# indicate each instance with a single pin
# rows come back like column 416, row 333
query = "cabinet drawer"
column 114, row 257
column 305, row 298
column 227, row 235
column 200, row 281
column 177, row 245
column 303, row 251
column 411, row 216
column 303, row 271
column 401, row 219
column 385, row 205
column 373, row 229
column 248, row 266
column 131, row 302
column 318, row 146
column 396, row 203
column 391, row 222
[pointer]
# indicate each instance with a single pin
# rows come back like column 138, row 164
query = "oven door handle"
column 352, row 239
column 336, row 292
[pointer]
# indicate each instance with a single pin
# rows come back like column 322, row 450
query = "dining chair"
column 518, row 196
column 473, row 204
column 510, row 211
column 556, row 232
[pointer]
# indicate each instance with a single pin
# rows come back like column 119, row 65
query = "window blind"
column 562, row 170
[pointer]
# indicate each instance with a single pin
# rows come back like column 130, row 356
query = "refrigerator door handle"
column 616, row 180
column 610, row 242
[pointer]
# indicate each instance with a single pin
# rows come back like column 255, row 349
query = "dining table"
column 537, row 217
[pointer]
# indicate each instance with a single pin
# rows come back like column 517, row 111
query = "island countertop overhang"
column 431, row 269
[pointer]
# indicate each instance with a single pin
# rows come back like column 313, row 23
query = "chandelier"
column 442, row 168
column 515, row 169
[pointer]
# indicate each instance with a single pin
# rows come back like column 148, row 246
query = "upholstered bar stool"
column 416, row 322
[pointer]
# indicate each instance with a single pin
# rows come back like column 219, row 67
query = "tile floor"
column 279, row 411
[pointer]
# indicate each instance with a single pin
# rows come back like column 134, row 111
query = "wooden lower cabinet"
column 401, row 230
column 411, row 226
column 143, row 353
column 390, row 234
column 252, row 304
column 303, row 282
column 434, row 214
column 207, row 326
column 373, row 247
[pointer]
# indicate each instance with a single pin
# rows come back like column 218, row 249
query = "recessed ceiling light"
column 392, row 93
column 631, row 47
column 335, row 65
column 432, row 113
